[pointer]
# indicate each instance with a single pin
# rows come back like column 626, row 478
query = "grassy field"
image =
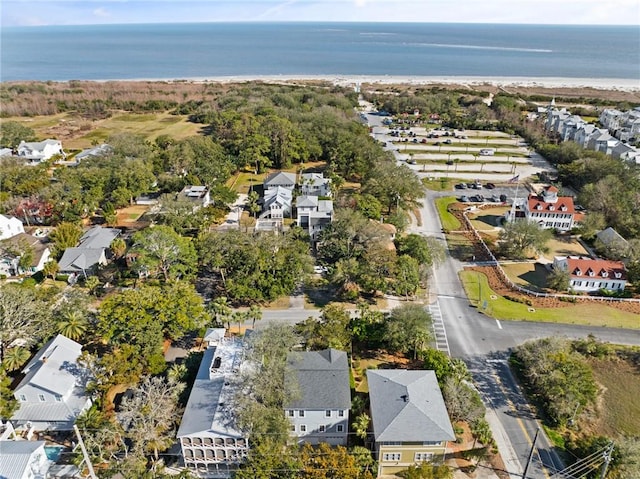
column 531, row 275
column 564, row 246
column 79, row 133
column 489, row 218
column 449, row 222
column 621, row 382
column 587, row 313
column 460, row 247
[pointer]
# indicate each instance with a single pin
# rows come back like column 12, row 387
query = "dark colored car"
column 490, row 186
column 503, row 198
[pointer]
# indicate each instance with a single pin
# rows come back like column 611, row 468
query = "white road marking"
column 499, row 325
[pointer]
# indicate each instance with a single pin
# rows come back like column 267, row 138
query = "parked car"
column 490, row 186
column 424, row 140
column 461, row 186
column 503, row 198
column 448, row 141
column 494, row 199
column 464, row 199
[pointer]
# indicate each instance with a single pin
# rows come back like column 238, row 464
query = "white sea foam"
column 482, row 47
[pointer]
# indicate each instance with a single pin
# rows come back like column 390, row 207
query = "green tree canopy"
column 163, row 252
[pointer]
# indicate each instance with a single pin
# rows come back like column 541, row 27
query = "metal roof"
column 16, row 457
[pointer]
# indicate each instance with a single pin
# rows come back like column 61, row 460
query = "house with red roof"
column 551, row 211
column 590, row 275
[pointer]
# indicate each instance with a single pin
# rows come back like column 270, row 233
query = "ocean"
column 214, row 50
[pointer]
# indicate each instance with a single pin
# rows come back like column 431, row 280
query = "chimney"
column 44, row 359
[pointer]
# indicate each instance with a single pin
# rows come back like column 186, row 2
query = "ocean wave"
column 377, row 34
column 481, row 47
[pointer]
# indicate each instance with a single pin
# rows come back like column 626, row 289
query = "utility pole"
column 607, row 460
column 533, row 448
column 92, row 474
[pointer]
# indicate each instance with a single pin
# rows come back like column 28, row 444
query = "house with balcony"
column 549, row 210
column 277, row 203
column 319, row 384
column 212, row 444
column 591, row 275
column 314, row 214
column 40, row 151
column 52, row 393
column 410, row 421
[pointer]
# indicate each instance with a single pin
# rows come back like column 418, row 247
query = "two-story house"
column 314, row 214
column 280, row 179
column 14, row 249
column 198, row 196
column 52, row 393
column 212, row 444
column 550, row 210
column 277, row 203
column 10, row 226
column 318, row 382
column 41, row 150
column 591, row 275
column 410, row 420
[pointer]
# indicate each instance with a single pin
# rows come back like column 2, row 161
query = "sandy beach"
column 616, row 84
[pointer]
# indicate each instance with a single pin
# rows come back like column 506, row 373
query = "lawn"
column 586, row 313
column 621, row 381
column 489, row 218
column 564, row 246
column 244, row 180
column 449, row 222
column 460, row 247
column 530, row 275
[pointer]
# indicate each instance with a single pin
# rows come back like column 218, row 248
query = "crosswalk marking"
column 439, row 331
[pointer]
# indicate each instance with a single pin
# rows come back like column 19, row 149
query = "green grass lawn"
column 449, row 222
column 564, row 246
column 587, row 313
column 441, row 184
column 531, row 275
column 460, row 247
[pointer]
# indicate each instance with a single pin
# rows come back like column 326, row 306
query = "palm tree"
column 221, row 309
column 15, row 357
column 72, row 324
column 240, row 317
column 51, row 268
column 255, row 314
column 361, row 425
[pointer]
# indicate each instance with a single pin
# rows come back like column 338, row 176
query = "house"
column 611, row 118
column 277, row 203
column 314, row 214
column 40, row 151
column 410, row 420
column 601, row 140
column 591, row 275
column 583, row 133
column 212, row 444
column 14, row 248
column 23, row 460
column 625, row 152
column 95, row 152
column 198, row 195
column 280, row 179
column 9, row 227
column 319, row 382
column 91, row 252
column 550, row 210
column 612, row 244
column 6, row 152
column 52, row 393
column 213, row 336
column 315, row 184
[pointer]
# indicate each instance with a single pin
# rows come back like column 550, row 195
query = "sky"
column 89, row 12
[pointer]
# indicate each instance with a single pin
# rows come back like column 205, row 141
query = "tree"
column 72, row 323
column 521, row 237
column 254, row 314
column 12, row 133
column 118, row 247
column 361, row 425
column 66, row 235
column 15, row 358
column 463, row 402
column 395, row 186
column 426, row 470
column 369, row 206
column 22, row 316
column 161, row 251
column 51, row 268
column 149, row 415
column 326, row 462
column 8, row 402
column 558, row 279
column 331, row 330
column 221, row 309
column 425, row 249
column 438, row 362
column 408, row 328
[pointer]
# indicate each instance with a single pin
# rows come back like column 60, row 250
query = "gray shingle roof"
column 98, row 237
column 79, row 259
column 15, row 457
column 320, row 379
column 407, row 406
column 279, row 178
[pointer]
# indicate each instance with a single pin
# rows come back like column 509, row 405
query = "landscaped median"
column 449, row 221
column 591, row 313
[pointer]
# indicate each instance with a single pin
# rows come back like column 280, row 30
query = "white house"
column 52, row 393
column 549, row 210
column 212, row 444
column 198, row 195
column 591, row 275
column 277, row 203
column 314, row 214
column 23, row 460
column 319, row 381
column 280, row 179
column 583, row 133
column 15, row 248
column 40, row 151
column 315, row 184
column 610, row 118
column 10, row 226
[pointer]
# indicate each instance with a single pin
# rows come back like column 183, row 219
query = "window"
column 322, row 428
column 300, row 413
column 394, row 456
column 423, row 456
column 41, row 397
column 327, row 413
column 292, row 428
column 340, row 428
column 58, row 398
column 341, row 413
column 290, row 412
column 23, row 398
column 303, row 428
column 432, row 443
